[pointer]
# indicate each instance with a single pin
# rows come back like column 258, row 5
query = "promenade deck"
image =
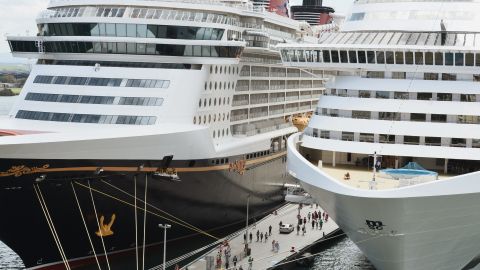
column 264, row 257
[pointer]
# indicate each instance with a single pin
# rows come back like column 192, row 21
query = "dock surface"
column 262, row 253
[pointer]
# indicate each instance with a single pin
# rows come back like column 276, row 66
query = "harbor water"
column 341, row 255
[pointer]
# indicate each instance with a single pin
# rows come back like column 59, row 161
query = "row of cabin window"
column 383, row 57
column 87, row 118
column 126, row 48
column 112, row 82
column 392, row 139
column 397, row 116
column 220, row 133
column 119, row 64
column 211, row 119
column 258, row 154
column 219, row 161
column 130, row 30
column 226, row 101
column 403, row 95
column 138, row 101
column 224, row 70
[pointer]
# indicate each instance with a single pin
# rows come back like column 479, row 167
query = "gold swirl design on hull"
column 18, row 171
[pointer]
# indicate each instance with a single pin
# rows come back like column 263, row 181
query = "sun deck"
column 360, row 177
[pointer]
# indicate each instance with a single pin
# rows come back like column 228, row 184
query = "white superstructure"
column 406, row 85
column 161, row 66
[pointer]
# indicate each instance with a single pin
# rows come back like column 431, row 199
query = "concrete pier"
column 264, row 257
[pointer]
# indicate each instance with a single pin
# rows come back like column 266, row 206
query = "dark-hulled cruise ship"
column 141, row 113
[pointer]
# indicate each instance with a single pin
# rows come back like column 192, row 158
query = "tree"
column 8, row 78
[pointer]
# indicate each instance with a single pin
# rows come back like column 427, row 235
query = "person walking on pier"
column 251, row 237
column 298, row 229
column 321, row 223
column 277, row 246
column 309, row 216
column 234, row 260
column 270, row 230
column 261, row 237
column 304, row 230
column 266, row 237
column 313, row 224
column 258, row 235
column 304, row 220
column 273, row 245
column 250, row 263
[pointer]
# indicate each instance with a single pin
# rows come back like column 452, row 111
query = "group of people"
column 316, row 219
column 261, row 235
column 226, row 251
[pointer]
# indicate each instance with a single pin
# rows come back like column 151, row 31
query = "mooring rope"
column 99, row 228
column 51, row 226
column 85, row 225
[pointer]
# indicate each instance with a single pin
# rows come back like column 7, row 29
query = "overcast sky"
column 17, row 17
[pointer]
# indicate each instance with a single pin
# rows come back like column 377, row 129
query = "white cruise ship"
column 406, row 86
column 143, row 112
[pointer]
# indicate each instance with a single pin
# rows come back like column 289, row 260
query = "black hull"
column 207, row 203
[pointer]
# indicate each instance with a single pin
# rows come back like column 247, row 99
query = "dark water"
column 341, row 255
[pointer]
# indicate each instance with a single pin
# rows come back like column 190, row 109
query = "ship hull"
column 202, row 201
column 427, row 226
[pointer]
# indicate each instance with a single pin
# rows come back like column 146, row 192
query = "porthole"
column 221, row 69
column 210, row 102
column 215, row 102
column 214, row 118
column 210, row 85
column 200, row 103
column 204, row 119
column 224, row 100
column 223, row 116
column 213, row 134
column 223, row 132
column 228, row 101
column 194, row 120
column 206, row 84
column 211, row 69
column 228, row 116
column 224, row 85
column 205, row 103
column 219, row 116
column 216, row 69
column 229, row 70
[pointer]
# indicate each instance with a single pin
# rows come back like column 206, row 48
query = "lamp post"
column 246, row 226
column 165, row 227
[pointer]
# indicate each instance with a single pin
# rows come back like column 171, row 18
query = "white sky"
column 18, row 16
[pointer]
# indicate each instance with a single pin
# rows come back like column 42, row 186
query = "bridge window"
column 362, row 58
column 371, row 57
column 459, row 59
